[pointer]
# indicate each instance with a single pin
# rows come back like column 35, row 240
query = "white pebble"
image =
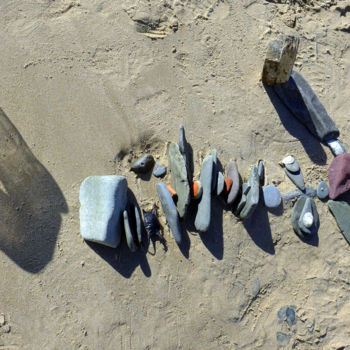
column 288, row 160
column 308, row 220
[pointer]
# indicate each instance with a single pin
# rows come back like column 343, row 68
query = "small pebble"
column 160, row 171
column 143, row 165
column 322, row 190
column 272, row 196
column 287, row 314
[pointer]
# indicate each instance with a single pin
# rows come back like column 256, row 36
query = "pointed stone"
column 322, row 190
column 261, row 172
column 184, row 150
column 253, row 194
column 339, row 176
column 232, row 173
column 202, row 220
column 182, row 140
column 220, row 184
column 143, row 165
column 297, row 178
column 298, row 211
column 170, row 211
column 341, row 213
column 279, row 60
column 102, row 202
column 214, row 154
column 128, row 233
column 179, row 179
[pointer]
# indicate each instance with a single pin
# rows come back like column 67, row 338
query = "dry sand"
column 87, row 82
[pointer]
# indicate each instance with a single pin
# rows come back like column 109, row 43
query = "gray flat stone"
column 243, row 201
column 102, row 202
column 279, row 60
column 143, row 165
column 160, row 171
column 128, row 233
column 138, row 224
column 170, row 211
column 220, row 183
column 292, row 165
column 179, row 178
column 261, row 172
column 252, row 195
column 296, row 214
column 232, row 173
column 272, row 196
column 341, row 213
column 322, row 190
column 202, row 220
column 297, row 178
column 214, row 154
column 289, row 196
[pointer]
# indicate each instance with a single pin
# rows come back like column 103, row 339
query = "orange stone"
column 228, row 185
column 171, row 191
column 194, row 189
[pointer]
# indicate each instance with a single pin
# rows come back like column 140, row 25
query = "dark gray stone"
column 341, row 213
column 243, row 201
column 289, row 196
column 279, row 60
column 297, row 178
column 182, row 140
column 322, row 190
column 170, row 211
column 179, row 178
column 252, row 195
column 186, row 152
column 102, row 202
column 301, row 100
column 128, row 233
column 261, row 172
column 272, row 196
column 220, row 183
column 202, row 220
column 138, row 224
column 232, row 173
column 287, row 314
column 160, row 171
column 143, row 165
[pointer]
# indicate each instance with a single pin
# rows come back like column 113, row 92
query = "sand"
column 88, row 86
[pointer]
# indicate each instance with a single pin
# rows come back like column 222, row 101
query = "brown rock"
column 339, row 175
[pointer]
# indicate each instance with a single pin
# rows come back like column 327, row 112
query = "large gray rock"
column 170, row 211
column 279, row 60
column 341, row 213
column 179, row 178
column 102, row 202
column 202, row 220
column 232, row 173
column 253, row 194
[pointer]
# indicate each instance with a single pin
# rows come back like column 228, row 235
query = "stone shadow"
column 311, row 145
column 31, row 203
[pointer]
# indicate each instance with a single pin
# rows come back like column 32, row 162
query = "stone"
column 261, row 172
column 202, row 220
column 214, row 154
column 302, row 206
column 182, row 140
column 306, row 218
column 220, row 183
column 160, row 171
column 289, row 196
column 339, row 176
column 297, row 178
column 291, row 164
column 196, row 189
column 232, row 173
column 282, row 338
column 279, row 60
column 255, row 287
column 243, row 201
column 322, row 190
column 341, row 212
column 300, row 99
column 170, row 211
column 128, row 233
column 272, row 196
column 287, row 314
column 336, row 147
column 179, row 178
column 102, row 202
column 252, row 195
column 138, row 223
column 185, row 151
column 143, row 165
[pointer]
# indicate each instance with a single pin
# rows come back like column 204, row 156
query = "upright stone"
column 232, row 173
column 102, row 202
column 279, row 60
column 341, row 213
column 252, row 195
column 202, row 220
column 128, row 232
column 179, row 179
column 214, row 154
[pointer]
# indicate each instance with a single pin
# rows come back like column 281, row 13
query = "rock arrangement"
column 107, row 211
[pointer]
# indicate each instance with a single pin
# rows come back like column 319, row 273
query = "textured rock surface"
column 339, row 176
column 102, row 202
column 341, row 213
column 179, row 179
column 203, row 216
column 170, row 211
column 232, row 173
column 279, row 60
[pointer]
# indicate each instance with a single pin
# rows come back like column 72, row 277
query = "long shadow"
column 31, row 203
column 258, row 227
column 311, row 145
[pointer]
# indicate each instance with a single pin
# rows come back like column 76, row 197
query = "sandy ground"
column 86, row 82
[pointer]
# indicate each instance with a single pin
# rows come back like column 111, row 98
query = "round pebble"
column 160, row 171
column 272, row 196
column 322, row 190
